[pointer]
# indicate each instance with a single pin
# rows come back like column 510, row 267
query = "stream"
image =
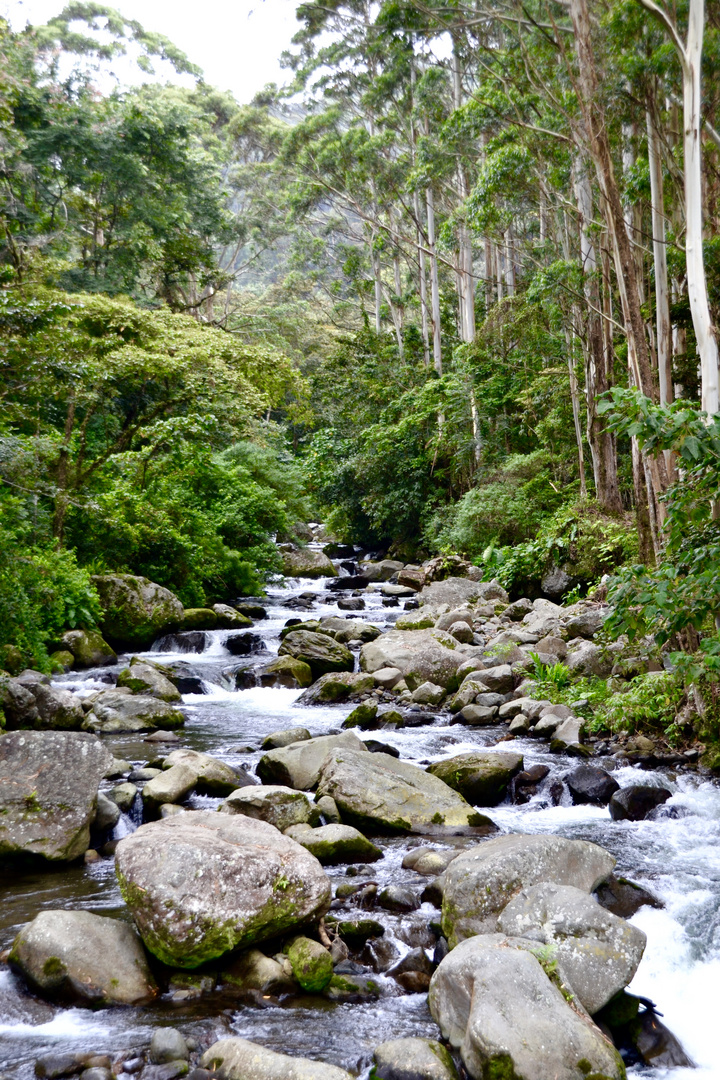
column 677, row 858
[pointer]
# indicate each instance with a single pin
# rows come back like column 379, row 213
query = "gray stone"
column 585, row 658
column 328, row 808
column 481, row 777
column 319, row 651
column 212, row 776
column 387, row 678
column 498, row 1007
column 238, row 1059
column 278, row 739
column 286, row 671
column 201, row 884
column 306, row 563
column 124, row 796
column 586, row 622
column 255, row 971
column 466, row 695
column 428, row 693
column 135, row 610
column 379, row 790
column 483, row 879
column 458, row 592
column 597, row 952
column 278, row 805
column 331, row 844
column 79, row 955
column 107, row 813
column 421, row 656
column 446, row 621
column 229, row 618
column 57, row 709
column 337, row 686
column 88, row 647
column 461, row 632
column 413, row 1059
column 170, row 786
column 142, row 678
column 118, row 711
column 520, row 725
column 48, row 792
column 380, row 571
column 344, row 630
column 499, row 679
column 167, row 1044
column 477, row 715
column 298, row 765
column 569, row 732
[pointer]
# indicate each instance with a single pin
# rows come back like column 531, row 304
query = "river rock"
column 229, row 618
column 312, row 964
column 378, row 790
column 238, row 1059
column 413, row 1059
column 585, row 621
column 286, row 671
column 481, row 777
column 17, row 703
column 142, row 678
column 320, row 652
column 116, row 711
column 200, row 884
column 298, row 765
column 337, row 686
column 48, row 791
column 135, row 610
column 57, row 709
column 211, row 776
column 279, row 806
column 591, row 784
column 421, row 655
column 167, row 1044
column 198, row 619
column 635, row 802
column 107, row 813
column 597, row 952
column 170, row 786
column 481, row 881
column 458, row 592
column 255, row 971
column 380, row 571
column 344, row 630
column 123, row 795
column 428, row 693
column 277, row 739
column 88, row 647
column 303, row 562
column 585, row 658
column 79, row 955
column 498, row 1007
column 624, row 898
column 332, row 844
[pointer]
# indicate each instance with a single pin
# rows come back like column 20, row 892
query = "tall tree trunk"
column 434, row 284
column 663, row 329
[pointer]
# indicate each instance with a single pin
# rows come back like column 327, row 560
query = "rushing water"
column 677, row 858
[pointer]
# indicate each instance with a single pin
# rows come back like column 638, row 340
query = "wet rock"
column 428, row 861
column 244, row 644
column 124, row 796
column 107, row 813
column 421, row 656
column 170, row 786
column 498, row 1007
column 328, row 808
column 228, row 618
column 118, row 711
column 379, row 790
column 303, row 562
column 142, row 678
column 363, row 716
column 428, row 693
column 481, row 881
column 413, row 1059
column 277, row 739
column 198, row 619
column 238, row 1059
column 311, row 963
column 597, row 953
column 591, row 784
column 200, row 884
column 189, row 641
column 331, row 844
column 398, row 898
column 356, row 931
column 319, row 651
column 211, row 776
column 640, row 1035
column 253, row 971
column 351, row 603
column 375, row 746
column 337, row 686
column 76, row 955
column 53, row 1066
column 88, row 648
column 635, row 802
column 624, row 898
column 167, row 1044
column 135, row 610
column 48, row 791
column 286, row 671
column 278, row 805
column 481, row 777
column 298, row 765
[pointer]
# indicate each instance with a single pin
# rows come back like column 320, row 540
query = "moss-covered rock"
column 481, row 777
column 286, row 671
column 319, row 651
column 278, row 805
column 11, row 659
column 142, row 678
column 331, row 844
column 303, row 562
column 88, row 647
column 198, row 618
column 311, row 963
column 363, row 716
column 337, row 686
column 136, row 610
column 62, row 660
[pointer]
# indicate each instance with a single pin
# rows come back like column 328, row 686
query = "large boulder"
column 200, row 884
column 238, row 1059
column 597, row 952
column 170, row 786
column 118, row 711
column 319, row 651
column 585, row 658
column 332, row 844
column 337, row 686
column 78, row 955
column 378, row 790
column 635, row 802
column 298, row 765
column 413, row 1059
column 457, row 592
column 344, row 630
column 481, row 777
column 211, row 776
column 278, row 805
column 286, row 671
column 421, row 655
column 307, row 563
column 591, row 784
column 484, row 879
column 48, row 792
column 142, row 678
column 496, row 1004
column 57, row 709
column 88, row 647
column 135, row 610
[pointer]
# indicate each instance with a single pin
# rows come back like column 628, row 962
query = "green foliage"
column 555, row 676
column 649, row 705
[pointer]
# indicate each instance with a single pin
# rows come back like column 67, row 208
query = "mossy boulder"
column 298, row 765
column 211, row 776
column 337, row 686
column 320, row 652
column 416, row 620
column 118, row 711
column 88, row 647
column 228, row 618
column 481, row 777
column 142, row 678
column 278, row 805
column 303, row 562
column 421, row 655
column 11, row 659
column 286, row 671
column 201, row 884
column 332, row 844
column 62, row 660
column 198, row 618
column 254, row 971
column 135, row 610
column 312, row 964
column 362, row 716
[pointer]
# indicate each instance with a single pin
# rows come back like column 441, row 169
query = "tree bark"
column 663, row 328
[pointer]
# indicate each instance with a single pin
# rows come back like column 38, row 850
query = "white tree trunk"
column 662, row 296
column 434, row 284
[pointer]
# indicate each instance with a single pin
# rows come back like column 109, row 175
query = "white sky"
column 237, row 44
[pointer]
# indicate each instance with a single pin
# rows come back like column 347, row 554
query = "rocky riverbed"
column 435, row 773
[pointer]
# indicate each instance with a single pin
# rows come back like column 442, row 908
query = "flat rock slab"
column 200, row 884
column 484, row 879
column 298, row 765
column 378, row 790
column 71, row 955
column 495, row 1004
column 48, row 792
column 238, row 1059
